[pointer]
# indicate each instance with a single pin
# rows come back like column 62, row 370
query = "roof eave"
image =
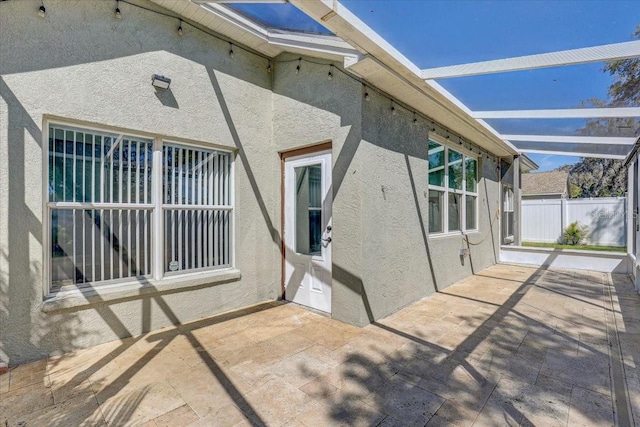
column 374, row 49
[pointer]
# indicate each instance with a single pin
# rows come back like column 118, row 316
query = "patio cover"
column 368, row 56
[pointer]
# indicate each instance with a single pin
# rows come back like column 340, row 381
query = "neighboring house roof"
column 545, row 183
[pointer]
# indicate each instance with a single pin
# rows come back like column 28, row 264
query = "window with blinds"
column 196, row 208
column 107, row 195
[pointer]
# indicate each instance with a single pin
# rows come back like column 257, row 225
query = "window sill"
column 435, row 236
column 86, row 297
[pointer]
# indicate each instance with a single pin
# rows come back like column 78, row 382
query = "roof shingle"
column 554, row 182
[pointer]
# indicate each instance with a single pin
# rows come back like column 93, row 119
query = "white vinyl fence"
column 605, row 217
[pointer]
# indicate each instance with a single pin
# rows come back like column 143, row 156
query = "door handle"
column 326, row 241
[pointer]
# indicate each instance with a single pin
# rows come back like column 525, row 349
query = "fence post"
column 564, row 217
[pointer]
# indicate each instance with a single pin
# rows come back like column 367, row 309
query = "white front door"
column 307, row 230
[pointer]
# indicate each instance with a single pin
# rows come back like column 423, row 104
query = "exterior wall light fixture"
column 161, row 82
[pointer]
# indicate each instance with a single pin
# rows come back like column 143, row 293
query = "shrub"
column 575, row 233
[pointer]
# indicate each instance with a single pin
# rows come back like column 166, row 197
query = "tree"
column 592, row 177
column 625, row 90
column 605, row 177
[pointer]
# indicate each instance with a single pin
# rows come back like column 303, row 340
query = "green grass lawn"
column 580, row 247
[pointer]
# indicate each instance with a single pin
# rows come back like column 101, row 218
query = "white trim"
column 572, row 139
column 157, row 237
column 311, row 43
column 239, row 1
column 585, row 55
column 138, row 288
column 232, row 214
column 563, row 113
column 78, row 205
column 198, row 207
column 46, row 222
column 575, row 154
column 610, row 262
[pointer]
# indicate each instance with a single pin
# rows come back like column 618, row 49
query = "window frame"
column 155, row 206
column 507, row 214
column 446, row 190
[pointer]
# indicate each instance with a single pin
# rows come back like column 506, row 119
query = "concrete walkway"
column 509, row 346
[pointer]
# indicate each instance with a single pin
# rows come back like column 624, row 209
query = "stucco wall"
column 80, row 63
column 402, row 262
column 308, row 109
column 383, row 258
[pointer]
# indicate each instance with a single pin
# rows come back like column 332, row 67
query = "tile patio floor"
column 509, row 346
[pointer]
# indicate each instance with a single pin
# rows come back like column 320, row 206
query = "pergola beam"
column 239, row 1
column 569, row 153
column 604, row 140
column 563, row 113
column 585, row 55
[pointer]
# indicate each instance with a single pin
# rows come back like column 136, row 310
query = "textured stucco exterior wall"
column 309, row 109
column 383, row 258
column 82, row 64
column 402, row 262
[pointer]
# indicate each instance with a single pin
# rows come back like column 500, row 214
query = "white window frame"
column 156, row 206
column 463, row 193
column 508, row 206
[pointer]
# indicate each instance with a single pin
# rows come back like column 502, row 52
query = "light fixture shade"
column 161, row 82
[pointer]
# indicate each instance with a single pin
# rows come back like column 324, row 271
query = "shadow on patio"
column 508, row 346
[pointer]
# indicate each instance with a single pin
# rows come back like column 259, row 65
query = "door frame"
column 284, row 155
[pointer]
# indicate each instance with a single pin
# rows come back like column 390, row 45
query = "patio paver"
column 511, row 345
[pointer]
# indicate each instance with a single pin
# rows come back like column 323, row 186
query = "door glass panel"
column 308, row 210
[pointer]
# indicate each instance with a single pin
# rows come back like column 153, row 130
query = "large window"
column 114, row 198
column 453, row 190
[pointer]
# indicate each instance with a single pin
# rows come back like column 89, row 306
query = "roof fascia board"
column 239, row 1
column 310, row 43
column 350, row 28
column 236, row 19
column 563, row 113
column 566, row 153
column 440, row 89
column 571, row 139
column 528, row 163
column 369, row 64
column 624, row 50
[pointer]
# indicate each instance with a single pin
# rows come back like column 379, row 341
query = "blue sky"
column 436, row 32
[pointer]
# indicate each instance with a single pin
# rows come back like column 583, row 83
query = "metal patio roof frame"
column 602, row 53
column 367, row 55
